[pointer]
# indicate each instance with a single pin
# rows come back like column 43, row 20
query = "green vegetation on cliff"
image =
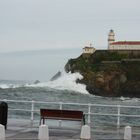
column 109, row 73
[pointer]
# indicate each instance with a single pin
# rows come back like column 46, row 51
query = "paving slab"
column 18, row 129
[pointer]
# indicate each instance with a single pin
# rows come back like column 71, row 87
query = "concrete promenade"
column 22, row 130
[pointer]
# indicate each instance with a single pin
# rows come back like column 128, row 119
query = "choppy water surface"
column 65, row 90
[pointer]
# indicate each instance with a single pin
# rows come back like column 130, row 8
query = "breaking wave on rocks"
column 67, row 81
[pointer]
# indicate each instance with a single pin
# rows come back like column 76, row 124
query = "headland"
column 113, row 72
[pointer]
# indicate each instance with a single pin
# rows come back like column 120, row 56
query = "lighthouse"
column 111, row 38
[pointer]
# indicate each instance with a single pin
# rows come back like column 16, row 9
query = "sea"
column 20, row 70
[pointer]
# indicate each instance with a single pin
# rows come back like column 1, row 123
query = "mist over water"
column 35, row 65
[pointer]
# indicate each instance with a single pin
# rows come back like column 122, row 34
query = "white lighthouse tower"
column 111, row 38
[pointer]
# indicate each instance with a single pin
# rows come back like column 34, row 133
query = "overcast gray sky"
column 43, row 24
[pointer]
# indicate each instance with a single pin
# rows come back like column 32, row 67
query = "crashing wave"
column 67, row 81
column 6, row 86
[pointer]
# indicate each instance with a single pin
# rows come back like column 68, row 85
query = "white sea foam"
column 6, row 86
column 127, row 99
column 67, row 81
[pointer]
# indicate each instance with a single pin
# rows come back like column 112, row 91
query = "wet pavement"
column 24, row 129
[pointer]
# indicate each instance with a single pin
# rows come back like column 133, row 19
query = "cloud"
column 32, row 24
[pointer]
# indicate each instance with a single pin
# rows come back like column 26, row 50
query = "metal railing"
column 89, row 111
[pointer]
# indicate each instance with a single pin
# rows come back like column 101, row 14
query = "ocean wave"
column 6, row 86
column 127, row 99
column 67, row 81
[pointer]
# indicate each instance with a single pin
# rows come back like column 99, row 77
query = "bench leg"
column 40, row 121
column 43, row 121
column 83, row 119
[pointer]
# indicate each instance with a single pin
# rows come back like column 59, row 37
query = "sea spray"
column 128, row 99
column 6, row 86
column 67, row 81
column 9, row 84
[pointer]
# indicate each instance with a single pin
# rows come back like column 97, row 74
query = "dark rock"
column 36, row 82
column 56, row 76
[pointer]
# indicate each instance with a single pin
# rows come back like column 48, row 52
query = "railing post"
column 32, row 112
column 89, row 113
column 60, row 107
column 118, row 116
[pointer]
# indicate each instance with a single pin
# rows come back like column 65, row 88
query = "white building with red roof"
column 121, row 45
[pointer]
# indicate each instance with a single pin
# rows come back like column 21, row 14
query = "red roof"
column 126, row 43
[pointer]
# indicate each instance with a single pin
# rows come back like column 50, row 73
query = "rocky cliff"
column 109, row 73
